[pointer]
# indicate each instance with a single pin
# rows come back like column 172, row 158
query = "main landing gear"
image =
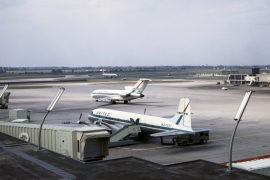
column 113, row 102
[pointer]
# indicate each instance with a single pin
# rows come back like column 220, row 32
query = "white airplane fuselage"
column 119, row 95
column 180, row 123
column 105, row 75
column 148, row 124
column 130, row 92
column 110, row 75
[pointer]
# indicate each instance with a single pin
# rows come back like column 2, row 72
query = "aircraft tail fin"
column 183, row 116
column 140, row 85
column 102, row 70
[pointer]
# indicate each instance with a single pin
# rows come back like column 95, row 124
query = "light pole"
column 238, row 119
column 49, row 109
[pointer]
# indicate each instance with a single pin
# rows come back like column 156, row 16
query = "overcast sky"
column 134, row 33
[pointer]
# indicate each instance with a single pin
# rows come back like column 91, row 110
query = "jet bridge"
column 84, row 143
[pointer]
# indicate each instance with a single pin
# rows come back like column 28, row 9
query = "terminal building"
column 249, row 77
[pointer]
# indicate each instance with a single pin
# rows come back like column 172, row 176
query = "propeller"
column 137, row 121
column 79, row 121
column 134, row 122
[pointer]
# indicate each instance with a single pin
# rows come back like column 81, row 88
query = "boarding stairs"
column 119, row 138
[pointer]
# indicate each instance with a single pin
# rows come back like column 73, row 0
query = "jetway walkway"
column 80, row 142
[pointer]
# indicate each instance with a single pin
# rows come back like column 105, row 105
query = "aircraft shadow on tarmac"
column 210, row 146
column 129, row 104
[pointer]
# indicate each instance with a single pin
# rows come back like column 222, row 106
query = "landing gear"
column 201, row 141
column 125, row 102
column 143, row 136
column 3, row 106
column 96, row 100
column 113, row 102
column 184, row 143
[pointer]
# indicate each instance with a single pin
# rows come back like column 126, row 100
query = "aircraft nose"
column 142, row 95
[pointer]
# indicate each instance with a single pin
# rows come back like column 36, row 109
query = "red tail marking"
column 186, row 107
column 139, row 85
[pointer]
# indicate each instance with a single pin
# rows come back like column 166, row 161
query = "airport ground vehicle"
column 198, row 137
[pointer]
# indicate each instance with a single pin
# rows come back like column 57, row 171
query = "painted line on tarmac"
column 173, row 145
column 139, row 149
column 239, row 137
column 148, row 148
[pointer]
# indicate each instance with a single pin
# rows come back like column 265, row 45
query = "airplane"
column 180, row 123
column 224, row 88
column 109, row 75
column 130, row 93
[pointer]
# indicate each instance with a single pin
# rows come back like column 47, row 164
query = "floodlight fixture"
column 238, row 118
column 49, row 109
column 3, row 91
column 243, row 105
column 55, row 99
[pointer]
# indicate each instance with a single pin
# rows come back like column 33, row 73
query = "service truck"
column 197, row 138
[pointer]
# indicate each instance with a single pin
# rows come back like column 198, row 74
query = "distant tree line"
column 116, row 69
column 56, row 71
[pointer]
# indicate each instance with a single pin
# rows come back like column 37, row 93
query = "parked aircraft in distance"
column 156, row 126
column 224, row 88
column 105, row 75
column 130, row 93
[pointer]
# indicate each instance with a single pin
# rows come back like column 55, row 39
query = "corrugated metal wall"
column 63, row 140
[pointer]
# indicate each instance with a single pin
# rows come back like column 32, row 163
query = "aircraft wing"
column 169, row 116
column 103, row 99
column 171, row 133
column 201, row 129
column 108, row 98
column 178, row 132
column 115, row 98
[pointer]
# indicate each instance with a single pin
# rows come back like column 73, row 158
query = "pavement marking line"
column 148, row 148
column 240, row 136
column 172, row 145
column 63, row 174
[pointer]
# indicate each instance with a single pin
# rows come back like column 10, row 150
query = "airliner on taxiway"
column 130, row 93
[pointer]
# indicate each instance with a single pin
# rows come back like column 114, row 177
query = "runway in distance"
column 130, row 93
column 156, row 126
column 105, row 75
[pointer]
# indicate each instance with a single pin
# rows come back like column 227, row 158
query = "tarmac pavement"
column 211, row 107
